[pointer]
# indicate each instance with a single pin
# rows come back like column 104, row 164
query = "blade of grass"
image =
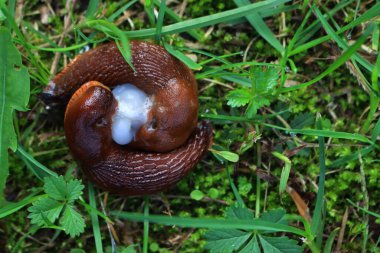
column 318, row 218
column 316, row 25
column 374, row 99
column 92, row 7
column 114, row 32
column 209, row 20
column 121, row 10
column 368, row 15
column 37, row 168
column 211, row 223
column 341, row 43
column 323, row 133
column 352, row 157
column 285, row 171
column 146, row 225
column 198, row 35
column 160, row 20
column 330, row 241
column 337, row 63
column 94, row 219
column 238, row 198
column 377, row 215
column 149, row 9
column 261, row 27
column 14, row 207
column 179, row 55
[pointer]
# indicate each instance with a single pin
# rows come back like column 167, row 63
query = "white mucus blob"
column 131, row 113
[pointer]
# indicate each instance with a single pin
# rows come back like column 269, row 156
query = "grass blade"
column 211, row 223
column 92, row 7
column 318, row 218
column 213, row 19
column 37, row 168
column 14, row 207
column 261, row 27
column 336, row 64
column 160, row 20
column 94, row 219
column 179, row 55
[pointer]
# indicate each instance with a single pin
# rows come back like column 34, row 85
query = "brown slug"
column 166, row 144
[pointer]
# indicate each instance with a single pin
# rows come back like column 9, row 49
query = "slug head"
column 88, row 121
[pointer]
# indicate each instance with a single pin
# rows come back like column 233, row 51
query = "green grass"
column 310, row 123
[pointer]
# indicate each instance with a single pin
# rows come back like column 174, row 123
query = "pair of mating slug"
column 167, row 143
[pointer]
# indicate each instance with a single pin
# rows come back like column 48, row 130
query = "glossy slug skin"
column 167, row 80
column 165, row 148
column 121, row 169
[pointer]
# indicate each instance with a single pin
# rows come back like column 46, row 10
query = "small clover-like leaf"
column 44, row 209
column 256, row 104
column 72, row 221
column 238, row 97
column 56, row 187
column 74, row 189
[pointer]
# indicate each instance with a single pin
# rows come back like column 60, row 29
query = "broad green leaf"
column 225, row 240
column 72, row 221
column 44, row 209
column 279, row 245
column 14, row 95
column 238, row 97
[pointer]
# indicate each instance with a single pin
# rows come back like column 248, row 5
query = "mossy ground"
column 339, row 98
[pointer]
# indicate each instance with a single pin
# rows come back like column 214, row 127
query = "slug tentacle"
column 163, row 149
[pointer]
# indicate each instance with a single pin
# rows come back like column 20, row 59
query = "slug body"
column 164, row 149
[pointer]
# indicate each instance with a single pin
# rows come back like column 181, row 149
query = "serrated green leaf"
column 74, row 189
column 302, row 120
column 277, row 216
column 225, row 240
column 44, row 209
column 256, row 104
column 264, row 80
column 279, row 244
column 72, row 221
column 14, row 95
column 236, row 211
column 252, row 246
column 56, row 187
column 238, row 97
